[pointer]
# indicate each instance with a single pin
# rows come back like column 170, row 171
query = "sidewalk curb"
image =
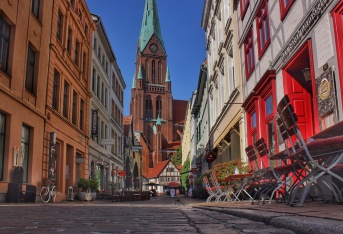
column 296, row 223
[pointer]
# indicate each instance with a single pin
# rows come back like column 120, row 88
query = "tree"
column 177, row 159
column 184, row 174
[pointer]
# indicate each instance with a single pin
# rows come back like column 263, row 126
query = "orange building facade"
column 68, row 97
column 25, row 29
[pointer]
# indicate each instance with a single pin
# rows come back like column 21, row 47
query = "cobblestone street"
column 159, row 215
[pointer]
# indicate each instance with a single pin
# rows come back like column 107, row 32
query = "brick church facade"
column 154, row 111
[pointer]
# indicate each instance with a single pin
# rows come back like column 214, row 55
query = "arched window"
column 158, row 107
column 159, row 72
column 148, row 107
column 147, row 70
column 153, row 72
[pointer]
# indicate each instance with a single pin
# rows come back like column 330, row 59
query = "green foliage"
column 177, row 159
column 83, row 184
column 184, row 177
column 93, row 184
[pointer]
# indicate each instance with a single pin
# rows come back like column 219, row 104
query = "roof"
column 179, row 115
column 179, row 167
column 156, row 171
column 150, row 25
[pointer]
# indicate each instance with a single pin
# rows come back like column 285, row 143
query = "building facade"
column 25, row 27
column 290, row 47
column 226, row 118
column 67, row 103
column 106, row 108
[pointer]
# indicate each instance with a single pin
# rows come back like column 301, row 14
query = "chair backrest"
column 206, row 182
column 252, row 157
column 262, row 149
column 214, row 179
column 288, row 116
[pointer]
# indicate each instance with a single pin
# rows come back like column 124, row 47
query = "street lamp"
column 138, row 149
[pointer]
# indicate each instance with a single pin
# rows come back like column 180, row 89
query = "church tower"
column 151, row 97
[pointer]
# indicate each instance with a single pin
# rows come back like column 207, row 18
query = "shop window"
column 263, row 28
column 244, row 7
column 2, row 142
column 285, row 5
column 24, row 151
column 30, row 70
column 5, row 33
column 249, row 54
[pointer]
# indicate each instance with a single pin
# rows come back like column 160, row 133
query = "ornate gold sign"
column 324, row 89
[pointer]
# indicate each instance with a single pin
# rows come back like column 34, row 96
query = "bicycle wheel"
column 45, row 195
column 53, row 194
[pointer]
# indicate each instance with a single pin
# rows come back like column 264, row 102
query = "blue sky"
column 184, row 39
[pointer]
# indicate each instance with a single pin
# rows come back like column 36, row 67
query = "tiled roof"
column 156, row 171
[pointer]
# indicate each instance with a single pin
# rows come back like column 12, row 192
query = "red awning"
column 173, row 184
column 210, row 157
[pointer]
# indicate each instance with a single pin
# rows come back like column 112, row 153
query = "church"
column 154, row 112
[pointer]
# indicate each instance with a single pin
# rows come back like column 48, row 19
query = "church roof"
column 150, row 25
column 167, row 75
column 140, row 74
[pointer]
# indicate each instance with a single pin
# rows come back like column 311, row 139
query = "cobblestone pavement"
column 159, row 215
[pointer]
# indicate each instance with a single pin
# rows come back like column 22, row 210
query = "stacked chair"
column 316, row 158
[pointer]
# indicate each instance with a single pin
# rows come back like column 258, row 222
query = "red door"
column 302, row 103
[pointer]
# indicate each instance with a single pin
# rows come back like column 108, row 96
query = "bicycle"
column 48, row 191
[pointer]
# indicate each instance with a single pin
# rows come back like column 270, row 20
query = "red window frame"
column 249, row 54
column 263, row 28
column 285, row 5
column 244, row 7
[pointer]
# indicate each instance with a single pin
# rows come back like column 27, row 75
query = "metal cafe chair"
column 212, row 191
column 261, row 179
column 320, row 155
column 225, row 193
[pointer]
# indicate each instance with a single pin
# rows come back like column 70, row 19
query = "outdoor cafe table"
column 333, row 131
column 242, row 183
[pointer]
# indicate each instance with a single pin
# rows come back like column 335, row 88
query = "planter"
column 81, row 196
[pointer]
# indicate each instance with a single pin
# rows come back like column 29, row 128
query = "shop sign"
column 94, row 122
column 210, row 157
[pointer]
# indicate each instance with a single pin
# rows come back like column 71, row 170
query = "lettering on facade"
column 94, row 122
column 314, row 15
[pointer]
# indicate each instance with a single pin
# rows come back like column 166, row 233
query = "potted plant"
column 83, row 185
column 94, row 186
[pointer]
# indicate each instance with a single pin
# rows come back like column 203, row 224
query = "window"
column 98, row 87
column 93, row 80
column 35, row 8
column 112, row 146
column 153, row 72
column 55, row 90
column 147, row 64
column 65, row 99
column 2, row 142
column 82, row 106
column 77, row 47
column 148, row 108
column 59, row 26
column 84, row 63
column 159, row 72
column 106, row 94
column 5, row 32
column 30, row 70
column 249, row 54
column 102, row 93
column 113, row 82
column 285, row 5
column 269, row 122
column 71, row 3
column 262, row 26
column 94, row 44
column 244, row 7
column 69, row 41
column 158, row 107
column 74, row 106
column 24, row 151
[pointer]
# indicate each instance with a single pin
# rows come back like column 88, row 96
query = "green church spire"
column 167, row 76
column 134, row 82
column 150, row 25
column 140, row 75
